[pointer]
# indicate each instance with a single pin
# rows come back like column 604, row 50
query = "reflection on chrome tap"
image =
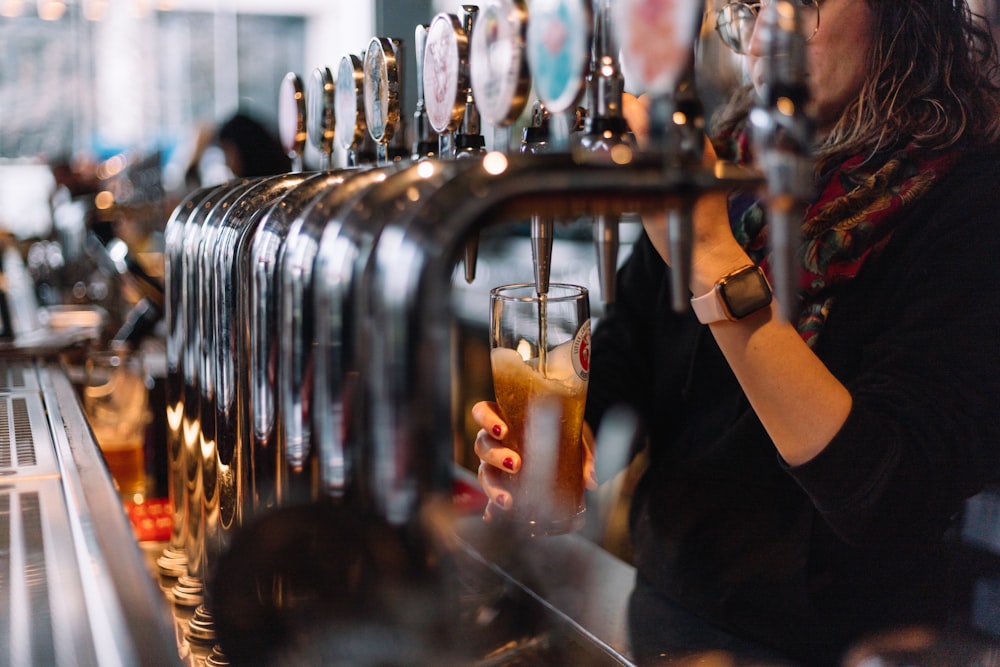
column 183, row 222
column 258, row 313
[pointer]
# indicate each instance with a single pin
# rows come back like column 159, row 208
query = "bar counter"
column 78, row 588
column 74, row 585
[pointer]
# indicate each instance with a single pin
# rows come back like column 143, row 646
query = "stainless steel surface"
column 259, row 337
column 579, row 591
column 198, row 425
column 75, row 590
column 333, row 340
column 175, row 562
column 225, row 468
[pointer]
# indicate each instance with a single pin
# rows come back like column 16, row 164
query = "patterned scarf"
column 850, row 223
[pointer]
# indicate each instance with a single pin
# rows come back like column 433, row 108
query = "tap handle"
column 348, row 104
column 292, row 118
column 319, row 114
column 424, row 143
column 381, row 94
column 783, row 135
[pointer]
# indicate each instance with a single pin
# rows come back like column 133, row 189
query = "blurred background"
column 132, row 92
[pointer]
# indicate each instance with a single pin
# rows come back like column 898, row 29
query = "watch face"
column 745, row 292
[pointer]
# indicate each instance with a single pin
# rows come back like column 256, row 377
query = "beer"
column 115, row 400
column 125, row 459
column 544, row 415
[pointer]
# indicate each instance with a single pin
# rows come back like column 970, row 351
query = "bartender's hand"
column 496, row 461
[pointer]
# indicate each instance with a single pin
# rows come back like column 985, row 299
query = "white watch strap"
column 708, row 307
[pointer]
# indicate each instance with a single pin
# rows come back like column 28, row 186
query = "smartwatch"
column 734, row 296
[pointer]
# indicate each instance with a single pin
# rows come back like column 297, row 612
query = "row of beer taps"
column 310, row 341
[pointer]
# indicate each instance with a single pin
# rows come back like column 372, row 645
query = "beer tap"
column 498, row 67
column 535, row 141
column 469, row 141
column 292, row 118
column 320, row 119
column 558, row 89
column 381, row 95
column 349, row 112
column 675, row 122
column 424, row 143
column 451, row 107
column 184, row 222
column 782, row 137
column 606, row 136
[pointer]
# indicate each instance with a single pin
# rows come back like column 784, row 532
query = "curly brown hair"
column 935, row 81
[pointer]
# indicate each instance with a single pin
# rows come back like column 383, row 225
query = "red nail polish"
column 508, row 463
column 497, row 430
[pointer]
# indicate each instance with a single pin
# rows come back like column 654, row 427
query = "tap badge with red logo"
column 581, row 351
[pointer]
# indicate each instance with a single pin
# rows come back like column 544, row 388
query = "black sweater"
column 808, row 559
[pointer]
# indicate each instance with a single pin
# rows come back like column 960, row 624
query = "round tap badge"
column 292, row 115
column 347, row 103
column 558, row 43
column 319, row 116
column 378, row 87
column 442, row 70
column 657, row 40
column 500, row 76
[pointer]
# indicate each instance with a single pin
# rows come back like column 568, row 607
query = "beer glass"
column 540, row 357
column 115, row 401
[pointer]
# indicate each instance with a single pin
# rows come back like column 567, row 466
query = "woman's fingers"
column 487, row 415
column 492, row 481
column 491, row 451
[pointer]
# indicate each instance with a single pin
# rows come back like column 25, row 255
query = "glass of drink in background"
column 540, row 356
column 115, row 400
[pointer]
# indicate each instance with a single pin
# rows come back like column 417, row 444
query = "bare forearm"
column 800, row 403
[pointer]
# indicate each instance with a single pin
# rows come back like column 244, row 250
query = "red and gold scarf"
column 849, row 224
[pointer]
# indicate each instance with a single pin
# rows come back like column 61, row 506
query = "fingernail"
column 508, row 463
column 501, row 500
column 497, row 430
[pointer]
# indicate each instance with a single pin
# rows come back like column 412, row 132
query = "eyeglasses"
column 736, row 20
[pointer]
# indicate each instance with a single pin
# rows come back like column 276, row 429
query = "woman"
column 803, row 476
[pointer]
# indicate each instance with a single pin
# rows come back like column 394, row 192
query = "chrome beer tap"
column 292, row 118
column 605, row 134
column 184, row 222
column 425, row 144
column 381, row 95
column 782, row 136
column 498, row 67
column 451, row 108
column 558, row 89
column 676, row 124
column 320, row 118
column 349, row 112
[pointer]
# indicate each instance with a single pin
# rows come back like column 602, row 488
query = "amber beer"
column 126, row 460
column 540, row 359
column 115, row 400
